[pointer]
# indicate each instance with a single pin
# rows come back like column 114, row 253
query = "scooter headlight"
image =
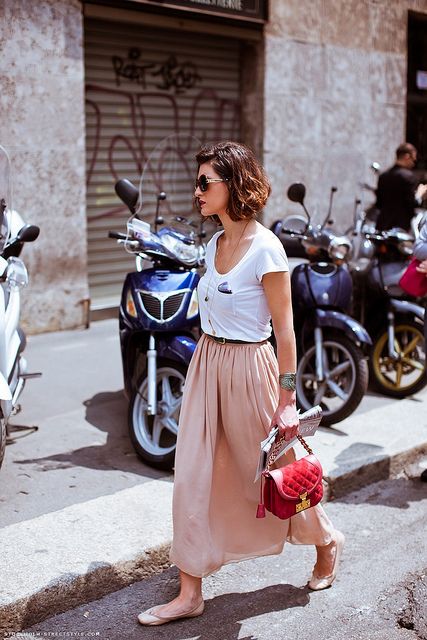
column 186, row 253
column 16, row 274
column 340, row 249
column 130, row 305
column 193, row 307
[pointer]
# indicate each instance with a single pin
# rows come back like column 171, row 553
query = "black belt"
column 229, row 341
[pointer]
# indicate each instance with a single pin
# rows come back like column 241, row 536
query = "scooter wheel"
column 405, row 375
column 344, row 384
column 154, row 437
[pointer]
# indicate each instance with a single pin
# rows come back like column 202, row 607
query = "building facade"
column 91, row 91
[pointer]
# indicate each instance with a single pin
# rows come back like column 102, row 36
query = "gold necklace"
column 228, row 263
column 220, row 276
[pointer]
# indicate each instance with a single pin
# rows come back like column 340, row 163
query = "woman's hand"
column 422, row 267
column 286, row 418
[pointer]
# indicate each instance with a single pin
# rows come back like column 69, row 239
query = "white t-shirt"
column 237, row 304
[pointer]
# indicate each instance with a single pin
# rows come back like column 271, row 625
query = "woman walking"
column 235, row 391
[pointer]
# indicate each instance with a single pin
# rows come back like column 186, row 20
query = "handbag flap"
column 297, row 478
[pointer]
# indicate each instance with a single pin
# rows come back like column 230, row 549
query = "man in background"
column 398, row 194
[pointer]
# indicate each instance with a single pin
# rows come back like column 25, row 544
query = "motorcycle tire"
column 403, row 377
column 345, row 384
column 154, row 437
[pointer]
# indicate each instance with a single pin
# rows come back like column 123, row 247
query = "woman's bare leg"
column 189, row 597
column 326, row 558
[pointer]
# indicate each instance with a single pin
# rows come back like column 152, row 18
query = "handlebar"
column 116, row 235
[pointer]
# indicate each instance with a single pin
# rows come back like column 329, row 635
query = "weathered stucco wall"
column 335, row 97
column 331, row 99
column 42, row 128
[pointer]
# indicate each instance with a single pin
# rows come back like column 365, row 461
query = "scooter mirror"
column 127, row 193
column 28, row 233
column 296, row 192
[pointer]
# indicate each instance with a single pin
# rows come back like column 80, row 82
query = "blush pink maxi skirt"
column 230, row 394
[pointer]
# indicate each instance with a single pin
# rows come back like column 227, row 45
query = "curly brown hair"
column 247, row 181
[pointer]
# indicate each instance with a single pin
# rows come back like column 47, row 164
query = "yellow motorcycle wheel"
column 405, row 375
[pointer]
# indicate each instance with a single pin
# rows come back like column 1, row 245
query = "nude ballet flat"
column 150, row 619
column 316, row 583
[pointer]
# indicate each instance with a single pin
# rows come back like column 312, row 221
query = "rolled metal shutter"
column 142, row 85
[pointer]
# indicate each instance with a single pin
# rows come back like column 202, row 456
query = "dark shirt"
column 396, row 198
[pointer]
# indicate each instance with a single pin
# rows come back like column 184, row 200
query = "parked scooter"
column 377, row 260
column 13, row 276
column 332, row 369
column 393, row 320
column 159, row 327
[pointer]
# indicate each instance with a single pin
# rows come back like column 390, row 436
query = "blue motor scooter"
column 332, row 346
column 159, row 328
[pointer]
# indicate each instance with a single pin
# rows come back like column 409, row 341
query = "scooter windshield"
column 5, row 196
column 166, row 187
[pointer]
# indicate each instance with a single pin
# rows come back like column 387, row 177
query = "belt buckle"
column 221, row 340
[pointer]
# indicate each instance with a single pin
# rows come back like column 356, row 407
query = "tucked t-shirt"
column 237, row 307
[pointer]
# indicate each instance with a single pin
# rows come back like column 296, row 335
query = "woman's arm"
column 278, row 293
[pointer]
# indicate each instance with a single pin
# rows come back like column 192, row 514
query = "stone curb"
column 381, row 468
column 71, row 591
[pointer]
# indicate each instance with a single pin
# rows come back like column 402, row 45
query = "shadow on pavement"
column 114, row 616
column 396, row 493
column 107, row 412
column 357, row 454
column 225, row 615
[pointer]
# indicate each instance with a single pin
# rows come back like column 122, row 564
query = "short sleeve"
column 271, row 258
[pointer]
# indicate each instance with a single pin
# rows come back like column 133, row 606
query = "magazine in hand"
column 308, row 423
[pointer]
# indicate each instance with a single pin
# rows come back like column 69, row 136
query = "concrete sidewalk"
column 69, row 556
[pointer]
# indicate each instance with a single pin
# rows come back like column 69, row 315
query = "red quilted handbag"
column 414, row 282
column 293, row 488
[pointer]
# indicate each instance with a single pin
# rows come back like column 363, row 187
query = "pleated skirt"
column 230, row 395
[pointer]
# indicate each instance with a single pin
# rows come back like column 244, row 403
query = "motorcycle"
column 159, row 324
column 376, row 261
column 394, row 320
column 14, row 233
column 332, row 369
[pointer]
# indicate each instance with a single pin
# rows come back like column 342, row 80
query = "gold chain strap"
column 277, row 446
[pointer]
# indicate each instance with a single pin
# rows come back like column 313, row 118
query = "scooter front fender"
column 331, row 319
column 176, row 347
column 5, row 393
column 407, row 308
column 5, row 397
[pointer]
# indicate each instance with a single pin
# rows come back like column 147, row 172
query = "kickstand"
column 19, row 427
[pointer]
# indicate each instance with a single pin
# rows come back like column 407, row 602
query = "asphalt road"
column 380, row 593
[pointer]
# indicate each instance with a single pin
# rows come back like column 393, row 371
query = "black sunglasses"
column 203, row 182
